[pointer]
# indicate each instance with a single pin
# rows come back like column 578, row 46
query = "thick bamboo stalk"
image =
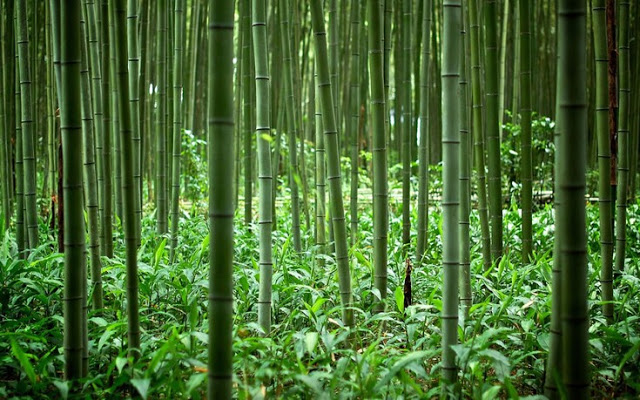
column 451, row 187
column 525, row 123
column 492, row 128
column 248, row 87
column 354, row 119
column 604, row 156
column 70, row 126
column 107, row 112
column 133, row 51
column 406, row 122
column 128, row 190
column 424, row 124
column 180, row 17
column 572, row 182
column 379, row 149
column 623, row 135
column 21, row 238
column 161, row 120
column 28, row 144
column 464, row 179
column 90, row 176
column 321, row 181
column 333, row 161
column 221, row 207
column 265, row 177
column 478, row 131
column 292, row 122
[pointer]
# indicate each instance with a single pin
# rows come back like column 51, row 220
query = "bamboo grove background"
column 292, row 99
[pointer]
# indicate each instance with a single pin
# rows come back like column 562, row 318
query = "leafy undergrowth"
column 309, row 353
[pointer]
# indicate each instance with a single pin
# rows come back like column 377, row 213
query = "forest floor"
column 309, row 353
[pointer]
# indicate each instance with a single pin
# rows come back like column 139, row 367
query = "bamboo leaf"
column 142, row 386
column 23, row 359
column 399, row 296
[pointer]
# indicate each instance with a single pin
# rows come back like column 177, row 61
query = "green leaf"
column 491, row 393
column 159, row 253
column 311, row 341
column 194, row 381
column 120, row 363
column 499, row 361
column 99, row 321
column 400, row 364
column 627, row 356
column 399, row 295
column 23, row 359
column 201, row 336
column 63, row 388
column 312, row 383
column 204, row 246
column 317, row 304
column 142, row 386
column 159, row 356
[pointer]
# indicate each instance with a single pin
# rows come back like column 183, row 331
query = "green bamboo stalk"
column 525, row 123
column 292, row 122
column 553, row 368
column 6, row 96
column 70, row 126
column 28, row 145
column 107, row 190
column 379, row 149
column 8, row 75
column 4, row 166
column 115, row 125
column 406, row 122
column 21, row 238
column 51, row 126
column 354, row 106
column 506, row 23
column 179, row 21
column 96, row 98
column 147, row 115
column 221, row 207
column 197, row 55
column 333, row 164
column 492, row 128
column 54, row 7
column 275, row 161
column 321, row 215
column 128, row 190
column 143, row 96
column 572, row 183
column 265, row 177
column 623, row 134
column 90, row 176
column 133, row 51
column 515, row 101
column 478, row 133
column 247, row 87
column 604, row 155
column 451, row 186
column 387, row 16
column 161, row 120
column 423, row 154
column 298, row 84
column 334, row 62
column 464, row 178
column 169, row 108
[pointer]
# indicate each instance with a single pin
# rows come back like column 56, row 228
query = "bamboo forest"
column 338, row 199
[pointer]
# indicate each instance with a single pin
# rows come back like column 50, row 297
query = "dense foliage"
column 503, row 343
